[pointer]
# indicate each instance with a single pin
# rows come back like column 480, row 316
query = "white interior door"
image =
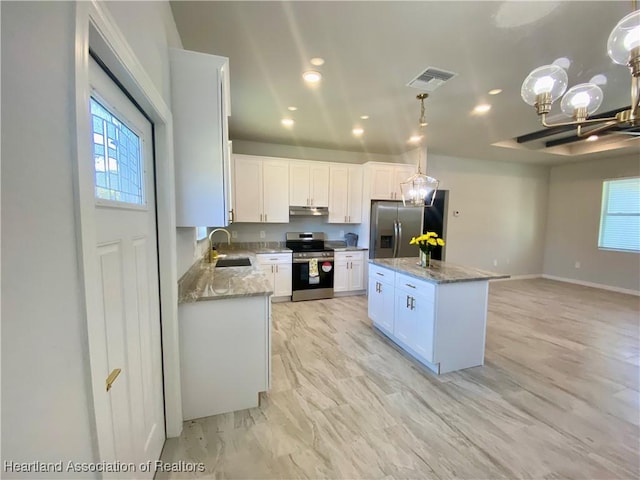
column 131, row 426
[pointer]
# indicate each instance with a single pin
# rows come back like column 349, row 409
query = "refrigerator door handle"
column 395, row 239
column 399, row 237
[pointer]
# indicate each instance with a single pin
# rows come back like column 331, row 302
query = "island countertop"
column 437, row 272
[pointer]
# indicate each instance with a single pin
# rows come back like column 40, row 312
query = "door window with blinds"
column 620, row 217
column 117, row 155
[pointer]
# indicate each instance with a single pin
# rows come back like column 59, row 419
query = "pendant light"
column 419, row 190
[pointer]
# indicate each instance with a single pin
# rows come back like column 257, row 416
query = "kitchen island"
column 438, row 314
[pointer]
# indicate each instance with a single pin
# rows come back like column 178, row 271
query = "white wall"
column 502, row 213
column 573, row 224
column 46, row 402
column 275, row 232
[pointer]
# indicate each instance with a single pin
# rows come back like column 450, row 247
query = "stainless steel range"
column 312, row 266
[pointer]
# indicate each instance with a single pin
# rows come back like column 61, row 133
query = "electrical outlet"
column 234, row 234
column 495, row 262
column 577, row 264
column 341, row 233
column 262, row 234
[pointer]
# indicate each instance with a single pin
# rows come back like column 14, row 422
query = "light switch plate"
column 262, row 234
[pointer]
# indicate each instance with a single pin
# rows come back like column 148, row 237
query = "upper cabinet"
column 345, row 194
column 261, row 189
column 200, row 108
column 308, row 184
column 385, row 180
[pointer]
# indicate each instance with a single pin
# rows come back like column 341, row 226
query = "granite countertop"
column 203, row 281
column 341, row 246
column 438, row 272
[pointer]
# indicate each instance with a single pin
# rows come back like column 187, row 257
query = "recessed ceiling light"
column 287, row 122
column 592, row 138
column 495, row 91
column 357, row 131
column 415, row 139
column 317, row 61
column 364, row 117
column 311, row 76
column 482, row 109
column 292, row 109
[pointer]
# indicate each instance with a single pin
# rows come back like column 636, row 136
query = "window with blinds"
column 620, row 217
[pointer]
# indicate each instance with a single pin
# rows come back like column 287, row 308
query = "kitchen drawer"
column 274, row 258
column 421, row 287
column 382, row 274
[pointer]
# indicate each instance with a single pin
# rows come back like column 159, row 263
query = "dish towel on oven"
column 314, row 276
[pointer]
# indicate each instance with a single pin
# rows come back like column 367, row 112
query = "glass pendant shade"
column 419, row 190
column 584, row 95
column 550, row 79
column 624, row 37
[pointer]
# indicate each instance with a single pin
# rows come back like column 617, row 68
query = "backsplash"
column 275, row 232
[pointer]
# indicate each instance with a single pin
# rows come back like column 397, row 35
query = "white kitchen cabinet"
column 277, row 267
column 349, row 271
column 385, row 180
column 345, row 194
column 414, row 318
column 261, row 190
column 200, row 107
column 442, row 325
column 382, row 298
column 225, row 354
column 308, row 184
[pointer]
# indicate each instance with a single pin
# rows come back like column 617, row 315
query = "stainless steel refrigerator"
column 393, row 225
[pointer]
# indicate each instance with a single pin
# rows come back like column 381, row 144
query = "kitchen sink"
column 234, row 262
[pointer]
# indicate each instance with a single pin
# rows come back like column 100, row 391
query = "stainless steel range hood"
column 308, row 211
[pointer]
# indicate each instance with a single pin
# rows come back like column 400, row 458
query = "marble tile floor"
column 557, row 397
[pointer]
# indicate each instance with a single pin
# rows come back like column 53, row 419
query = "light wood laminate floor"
column 557, row 397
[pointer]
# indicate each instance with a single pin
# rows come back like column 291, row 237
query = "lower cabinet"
column 381, row 302
column 277, row 267
column 349, row 271
column 414, row 320
column 225, row 354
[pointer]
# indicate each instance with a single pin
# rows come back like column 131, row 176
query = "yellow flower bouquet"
column 427, row 242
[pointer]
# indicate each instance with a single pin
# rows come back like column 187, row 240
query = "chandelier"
column 546, row 84
column 419, row 190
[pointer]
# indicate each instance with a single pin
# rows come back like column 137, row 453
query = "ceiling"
column 373, row 49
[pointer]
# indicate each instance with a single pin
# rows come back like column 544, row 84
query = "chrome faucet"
column 211, row 236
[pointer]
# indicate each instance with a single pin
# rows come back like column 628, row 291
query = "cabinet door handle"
column 260, row 217
column 413, row 303
column 409, row 285
column 231, row 216
column 349, row 218
column 265, row 217
column 311, row 202
column 271, row 268
column 407, row 301
column 277, row 269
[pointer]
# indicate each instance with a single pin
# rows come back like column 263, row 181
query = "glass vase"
column 425, row 259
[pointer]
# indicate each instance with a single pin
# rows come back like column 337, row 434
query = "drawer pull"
column 409, row 285
column 381, row 274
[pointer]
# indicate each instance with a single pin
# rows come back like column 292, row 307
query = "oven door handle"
column 306, row 260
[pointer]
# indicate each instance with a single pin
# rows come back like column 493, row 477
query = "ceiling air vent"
column 430, row 79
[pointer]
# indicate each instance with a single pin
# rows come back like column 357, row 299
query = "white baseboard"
column 593, row 285
column 518, row 277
